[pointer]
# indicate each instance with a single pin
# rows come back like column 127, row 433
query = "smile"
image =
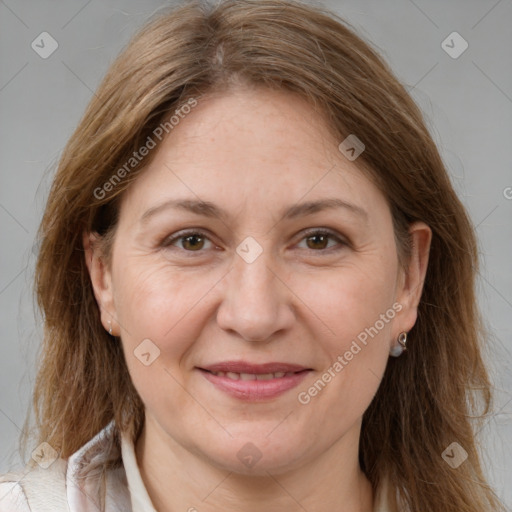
column 253, row 376
column 250, row 382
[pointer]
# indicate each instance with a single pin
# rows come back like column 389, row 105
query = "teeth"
column 265, row 376
column 247, row 376
column 252, row 376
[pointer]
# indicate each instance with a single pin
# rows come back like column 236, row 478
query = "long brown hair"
column 427, row 398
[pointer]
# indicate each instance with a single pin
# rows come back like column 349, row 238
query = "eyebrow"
column 209, row 209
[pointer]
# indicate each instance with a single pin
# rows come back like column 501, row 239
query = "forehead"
column 251, row 148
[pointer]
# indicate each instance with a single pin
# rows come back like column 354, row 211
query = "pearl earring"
column 110, row 327
column 397, row 350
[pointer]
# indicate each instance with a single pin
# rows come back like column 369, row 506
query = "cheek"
column 156, row 302
column 355, row 306
column 349, row 299
column 155, row 308
column 152, row 296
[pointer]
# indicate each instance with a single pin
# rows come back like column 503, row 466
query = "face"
column 263, row 319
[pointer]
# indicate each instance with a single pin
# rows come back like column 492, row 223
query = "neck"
column 177, row 479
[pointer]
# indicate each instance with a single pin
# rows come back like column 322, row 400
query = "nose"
column 257, row 303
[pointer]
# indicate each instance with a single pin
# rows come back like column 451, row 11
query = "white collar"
column 141, row 501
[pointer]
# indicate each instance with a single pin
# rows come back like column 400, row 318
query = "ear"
column 412, row 278
column 101, row 279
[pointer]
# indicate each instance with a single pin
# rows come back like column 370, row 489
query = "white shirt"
column 72, row 485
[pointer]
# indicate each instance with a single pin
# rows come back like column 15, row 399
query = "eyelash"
column 168, row 241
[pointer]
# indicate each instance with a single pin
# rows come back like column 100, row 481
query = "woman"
column 250, row 219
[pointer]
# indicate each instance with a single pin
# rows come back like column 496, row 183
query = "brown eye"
column 318, row 240
column 191, row 241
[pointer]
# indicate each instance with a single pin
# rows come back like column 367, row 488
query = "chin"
column 256, row 455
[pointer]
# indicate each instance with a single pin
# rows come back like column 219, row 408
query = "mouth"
column 254, row 382
column 253, row 376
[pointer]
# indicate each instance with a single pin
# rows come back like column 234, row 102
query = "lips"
column 254, row 382
column 254, row 369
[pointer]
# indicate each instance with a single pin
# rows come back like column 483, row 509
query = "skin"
column 255, row 152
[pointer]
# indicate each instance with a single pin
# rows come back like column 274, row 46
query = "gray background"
column 467, row 102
